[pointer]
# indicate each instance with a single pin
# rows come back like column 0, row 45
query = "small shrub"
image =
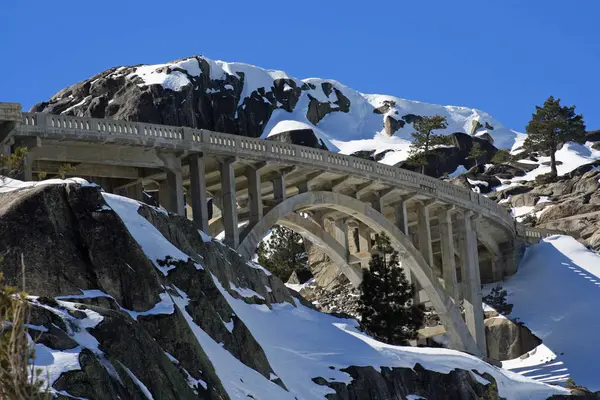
column 500, row 157
column 497, row 300
column 546, row 178
column 18, row 379
column 66, row 169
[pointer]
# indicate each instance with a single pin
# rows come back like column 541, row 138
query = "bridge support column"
column 171, row 193
column 135, row 192
column 198, row 197
column 364, row 244
column 340, row 233
column 401, row 216
column 171, row 190
column 228, row 200
column 255, row 205
column 471, row 280
column 279, row 188
column 424, row 240
column 447, row 245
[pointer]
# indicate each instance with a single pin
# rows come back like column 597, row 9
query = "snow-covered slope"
column 229, row 96
column 556, row 293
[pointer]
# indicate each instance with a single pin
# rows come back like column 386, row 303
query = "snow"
column 298, row 287
column 205, row 237
column 306, row 343
column 458, row 171
column 360, row 129
column 571, row 156
column 476, row 182
column 139, row 383
column 11, row 185
column 245, row 292
column 153, row 243
column 175, row 80
column 164, row 306
column 238, row 380
column 54, row 362
column 555, row 293
column 521, row 211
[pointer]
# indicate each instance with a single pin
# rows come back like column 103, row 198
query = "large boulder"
column 507, row 340
column 445, row 160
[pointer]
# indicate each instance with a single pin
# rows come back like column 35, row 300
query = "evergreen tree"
column 501, row 156
column 424, row 139
column 386, row 301
column 283, row 253
column 552, row 125
column 476, row 153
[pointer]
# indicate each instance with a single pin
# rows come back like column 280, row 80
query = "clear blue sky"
column 499, row 56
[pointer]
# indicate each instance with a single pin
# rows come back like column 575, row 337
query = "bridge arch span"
column 448, row 312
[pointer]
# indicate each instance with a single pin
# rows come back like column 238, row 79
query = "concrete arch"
column 318, row 236
column 448, row 312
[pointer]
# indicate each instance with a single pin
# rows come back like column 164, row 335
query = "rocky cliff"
column 132, row 303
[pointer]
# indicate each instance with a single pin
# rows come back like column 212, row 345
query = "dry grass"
column 19, row 380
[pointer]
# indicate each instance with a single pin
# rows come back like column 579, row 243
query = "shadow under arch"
column 448, row 312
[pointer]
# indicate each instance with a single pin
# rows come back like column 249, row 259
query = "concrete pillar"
column 447, row 246
column 471, row 281
column 171, row 190
column 198, row 199
column 340, row 233
column 401, row 216
column 27, row 174
column 364, row 244
column 497, row 267
column 255, row 205
column 171, row 193
column 279, row 189
column 229, row 203
column 425, row 233
column 424, row 240
column 135, row 192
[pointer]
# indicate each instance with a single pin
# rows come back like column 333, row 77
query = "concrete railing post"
column 198, row 196
column 229, row 202
column 471, row 280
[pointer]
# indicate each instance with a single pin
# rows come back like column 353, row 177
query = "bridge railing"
column 204, row 140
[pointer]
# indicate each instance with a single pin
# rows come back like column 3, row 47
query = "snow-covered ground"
column 570, row 156
column 556, row 293
column 307, row 343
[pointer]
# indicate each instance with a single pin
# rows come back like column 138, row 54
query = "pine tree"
column 283, row 253
column 501, row 156
column 476, row 153
column 552, row 125
column 386, row 302
column 424, row 139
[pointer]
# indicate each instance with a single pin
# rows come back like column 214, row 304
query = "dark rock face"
column 303, row 137
column 506, row 340
column 206, row 103
column 445, row 160
column 392, row 382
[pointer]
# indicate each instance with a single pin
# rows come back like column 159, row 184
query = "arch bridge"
column 450, row 239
